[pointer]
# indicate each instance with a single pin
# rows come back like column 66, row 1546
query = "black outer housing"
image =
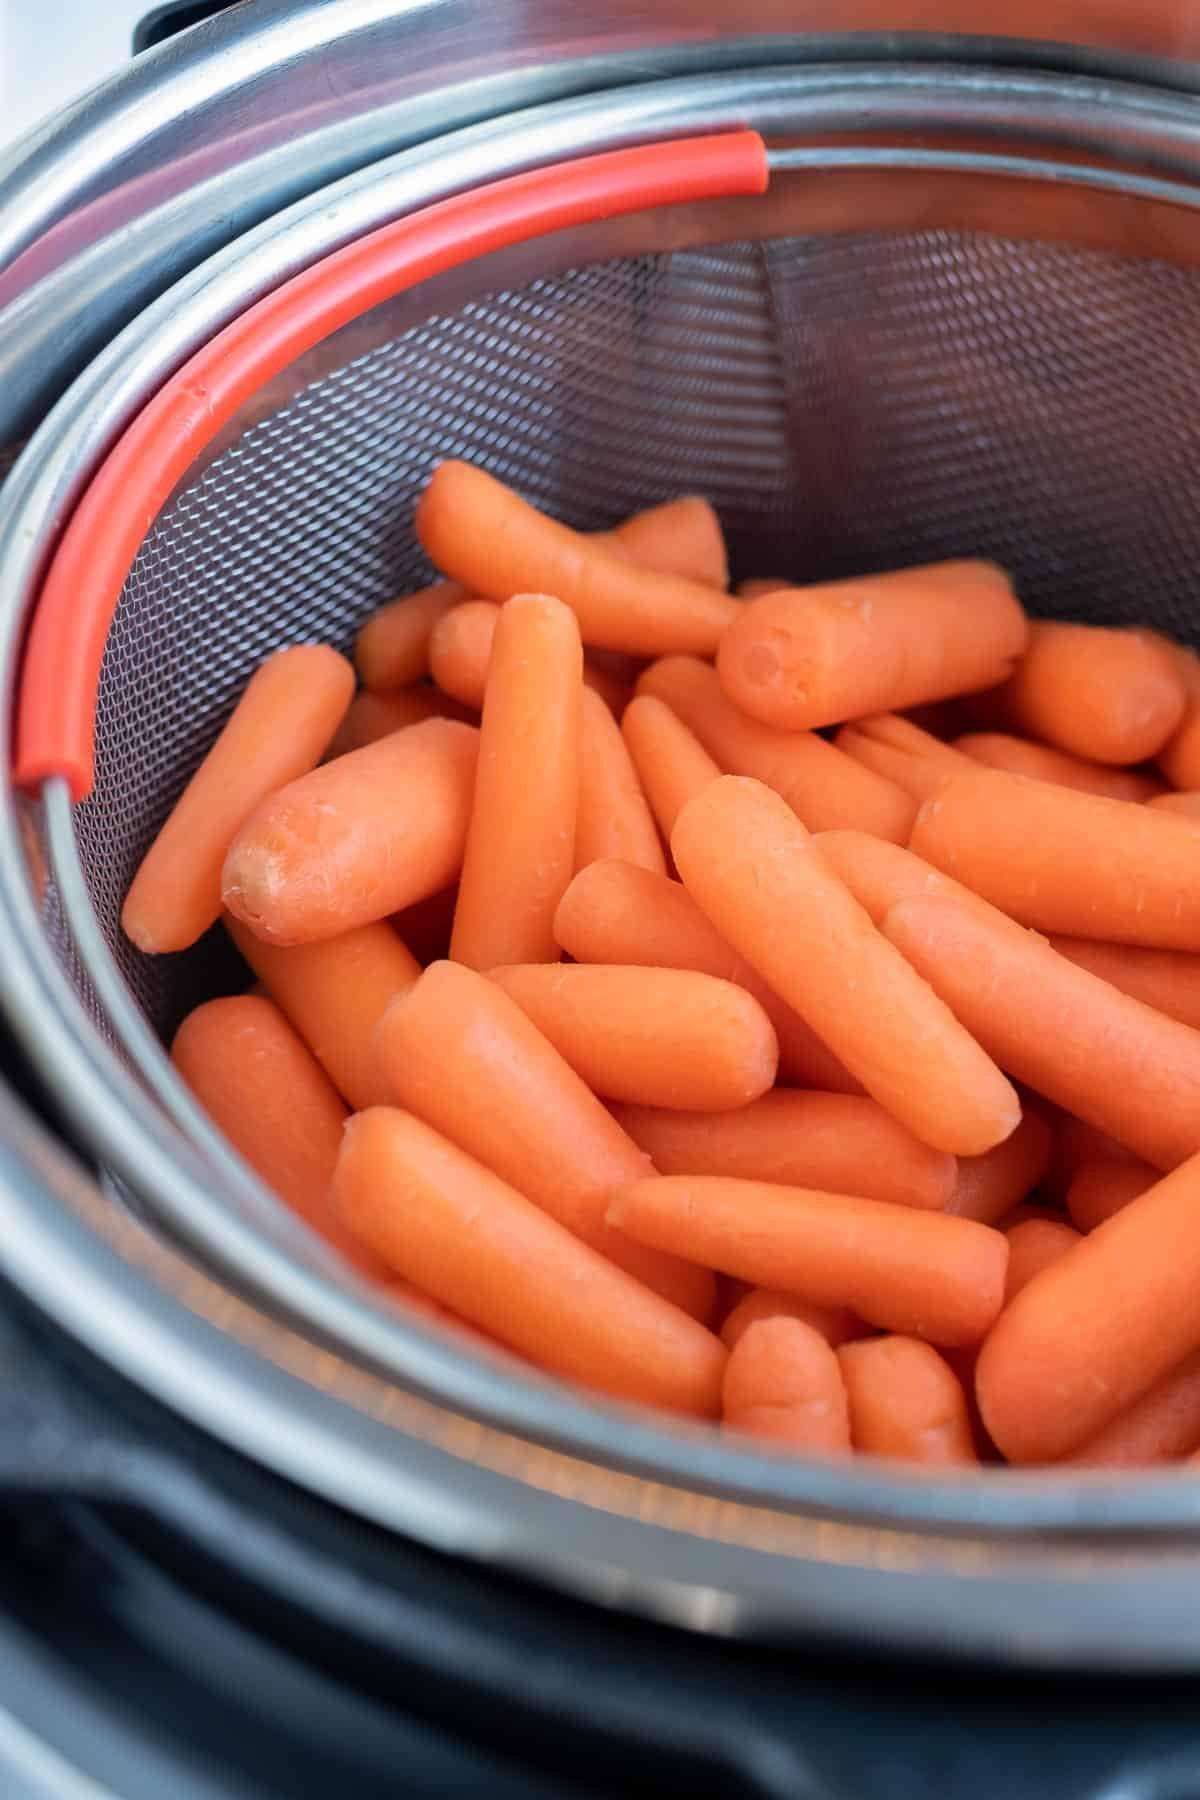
column 173, row 1618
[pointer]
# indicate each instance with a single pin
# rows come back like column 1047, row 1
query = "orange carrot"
column 1162, row 1425
column 806, row 657
column 671, row 762
column 906, row 1402
column 1101, row 1189
column 835, row 1323
column 1064, row 861
column 1033, row 1245
column 783, row 1384
column 1185, row 806
column 460, row 650
column 410, row 1298
column 464, row 1057
column 1072, row 1037
column 521, row 844
column 497, row 545
column 357, row 839
column 826, row 788
column 1179, row 759
column 1109, row 696
column 425, row 926
column 1040, row 763
column 1026, row 1214
column 901, row 752
column 988, row 1187
column 653, row 1037
column 462, row 1234
column 372, row 716
column 755, row 586
column 842, row 1143
column 879, row 874
column 614, row 819
column 680, row 537
column 1098, row 1328
column 274, row 1103
column 286, row 716
column 335, row 993
column 751, row 866
column 904, row 1270
column 616, row 913
column 460, row 654
column 392, row 648
column 1168, row 980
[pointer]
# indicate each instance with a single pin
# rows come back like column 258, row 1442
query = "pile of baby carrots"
column 779, row 1007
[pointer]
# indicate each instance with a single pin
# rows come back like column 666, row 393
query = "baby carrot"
column 1027, row 1213
column 1110, row 696
column 1185, row 805
column 783, row 1384
column 755, row 586
column 1018, row 756
column 752, row 867
column 1101, row 1189
column 1097, row 1328
column 1121, row 1066
column 497, row 544
column 906, row 1402
column 1064, row 861
column 392, row 648
column 275, row 1104
column 1179, row 759
column 357, row 839
column 988, row 1187
column 460, row 654
column 460, row 650
column 521, row 843
column 614, row 818
column 463, row 1235
column 826, row 788
column 335, row 993
column 411, row 1299
column 843, row 1143
column 680, row 537
column 287, row 714
column 1161, row 1426
column 879, row 874
column 462, row 1056
column 653, row 1037
column 920, row 1272
column 616, row 913
column 1168, row 980
column 373, row 716
column 807, row 657
column 901, row 752
column 836, row 1324
column 1033, row 1244
column 671, row 762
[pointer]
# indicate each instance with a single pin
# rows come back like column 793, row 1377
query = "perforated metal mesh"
column 848, row 403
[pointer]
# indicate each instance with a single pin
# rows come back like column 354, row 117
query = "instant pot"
column 933, row 290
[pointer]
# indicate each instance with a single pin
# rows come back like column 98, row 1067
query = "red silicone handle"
column 60, row 676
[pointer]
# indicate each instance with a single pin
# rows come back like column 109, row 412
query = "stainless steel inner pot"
column 960, row 322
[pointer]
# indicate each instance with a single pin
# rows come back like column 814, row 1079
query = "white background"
column 52, row 50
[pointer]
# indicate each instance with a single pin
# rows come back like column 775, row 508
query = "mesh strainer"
column 897, row 353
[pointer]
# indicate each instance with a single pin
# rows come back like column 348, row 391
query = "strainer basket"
column 953, row 322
